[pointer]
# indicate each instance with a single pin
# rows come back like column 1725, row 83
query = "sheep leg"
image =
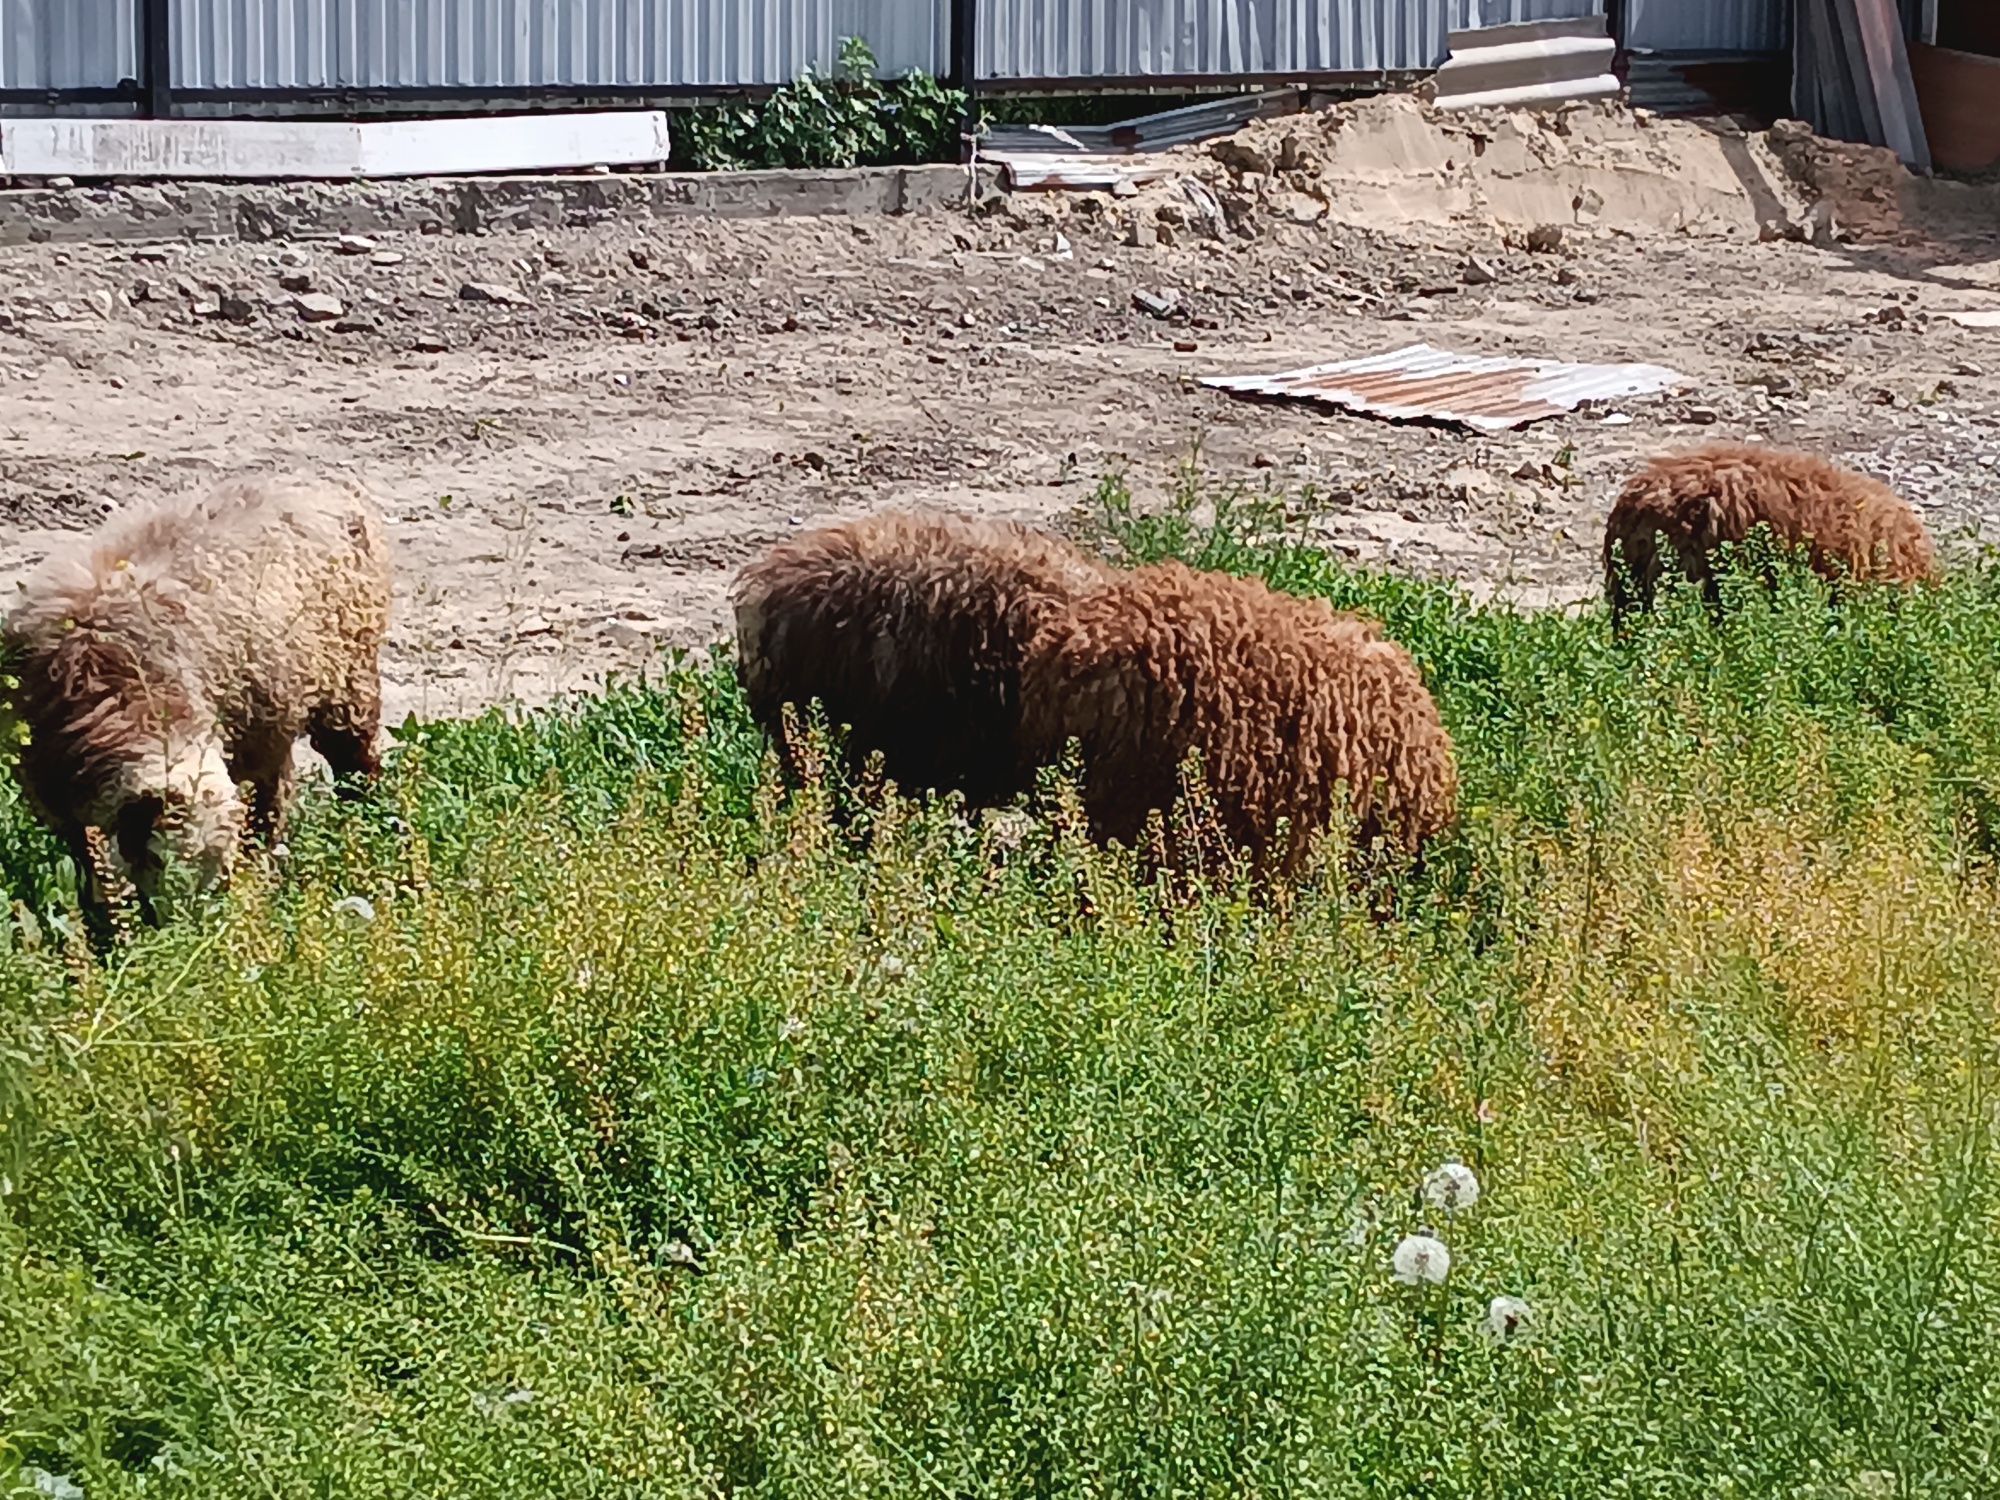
column 264, row 763
column 344, row 733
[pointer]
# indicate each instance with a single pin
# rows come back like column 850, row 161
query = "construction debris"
column 1485, row 393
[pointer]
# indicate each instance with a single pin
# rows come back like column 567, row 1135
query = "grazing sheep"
column 1283, row 697
column 1686, row 505
column 180, row 652
column 909, row 628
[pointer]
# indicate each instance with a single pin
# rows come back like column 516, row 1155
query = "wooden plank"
column 279, row 149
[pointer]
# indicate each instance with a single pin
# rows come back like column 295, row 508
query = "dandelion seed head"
column 1451, row 1187
column 1507, row 1318
column 1419, row 1259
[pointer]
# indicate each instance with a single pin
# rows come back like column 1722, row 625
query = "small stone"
column 318, row 307
column 494, row 292
column 1142, row 236
column 62, row 184
column 430, row 345
column 1124, row 187
column 142, row 291
column 387, row 259
column 104, row 304
column 188, row 287
column 295, row 281
column 355, row 244
column 236, row 307
column 1567, row 277
column 1702, row 416
column 1477, row 272
column 1165, row 231
column 293, row 260
column 1152, row 302
column 1545, row 239
column 150, row 256
column 641, row 261
column 1185, row 346
column 206, row 309
column 354, row 323
column 1242, row 157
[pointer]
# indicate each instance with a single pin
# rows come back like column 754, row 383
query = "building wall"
column 1708, row 26
column 1468, row 15
column 57, row 44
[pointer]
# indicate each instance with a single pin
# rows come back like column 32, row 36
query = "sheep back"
column 1285, row 699
column 1680, row 508
column 910, row 628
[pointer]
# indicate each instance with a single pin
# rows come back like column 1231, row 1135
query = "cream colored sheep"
column 177, row 656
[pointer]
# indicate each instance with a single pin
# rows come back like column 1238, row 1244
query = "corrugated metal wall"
column 555, row 43
column 1468, row 15
column 1057, row 39
column 57, row 44
column 1710, row 26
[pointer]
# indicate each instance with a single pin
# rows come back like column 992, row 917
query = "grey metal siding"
column 1060, row 39
column 375, row 44
column 1469, row 15
column 56, row 44
column 1709, row 26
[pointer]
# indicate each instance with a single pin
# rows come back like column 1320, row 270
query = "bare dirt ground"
column 574, row 478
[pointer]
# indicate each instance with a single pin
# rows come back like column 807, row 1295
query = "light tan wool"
column 179, row 653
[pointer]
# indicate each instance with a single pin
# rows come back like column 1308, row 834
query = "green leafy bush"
column 851, row 119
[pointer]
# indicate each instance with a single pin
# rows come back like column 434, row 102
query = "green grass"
column 660, row 1136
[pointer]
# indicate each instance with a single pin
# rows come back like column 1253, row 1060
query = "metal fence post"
column 156, row 58
column 965, row 69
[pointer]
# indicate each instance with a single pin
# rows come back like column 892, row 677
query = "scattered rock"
column 1185, row 346
column 355, row 323
column 1701, row 416
column 150, row 256
column 355, row 244
column 1477, row 272
column 318, row 307
column 104, row 304
column 1160, row 306
column 62, row 184
column 142, row 291
column 387, row 259
column 429, row 344
column 498, row 293
column 1545, row 239
column 293, row 260
column 1242, row 155
column 1142, row 236
column 206, row 309
column 236, row 307
column 641, row 261
column 1165, row 233
column 295, row 281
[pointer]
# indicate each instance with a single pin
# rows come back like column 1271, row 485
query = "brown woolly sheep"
column 910, row 629
column 180, row 652
column 1683, row 506
column 1284, row 697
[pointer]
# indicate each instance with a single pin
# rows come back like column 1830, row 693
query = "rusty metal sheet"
column 1487, row 393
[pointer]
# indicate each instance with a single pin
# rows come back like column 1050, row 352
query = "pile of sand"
column 1396, row 162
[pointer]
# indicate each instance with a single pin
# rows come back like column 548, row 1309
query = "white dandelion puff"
column 356, row 911
column 1507, row 1318
column 791, row 1029
column 1451, row 1187
column 1419, row 1259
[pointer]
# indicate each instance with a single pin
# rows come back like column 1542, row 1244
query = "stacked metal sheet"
column 1851, row 77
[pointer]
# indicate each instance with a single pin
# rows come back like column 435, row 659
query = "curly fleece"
column 910, row 629
column 179, row 653
column 1679, row 508
column 1285, row 699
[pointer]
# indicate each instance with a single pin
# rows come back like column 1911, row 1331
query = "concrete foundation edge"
column 143, row 213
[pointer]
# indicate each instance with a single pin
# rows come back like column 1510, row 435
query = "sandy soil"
column 574, row 480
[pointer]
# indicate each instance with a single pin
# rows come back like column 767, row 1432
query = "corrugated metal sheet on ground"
column 59, row 44
column 1708, row 25
column 1154, row 132
column 1421, row 383
column 1065, row 39
column 1040, row 172
column 385, row 44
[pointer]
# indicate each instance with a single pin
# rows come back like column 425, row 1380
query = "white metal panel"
column 56, row 44
column 1708, row 25
column 386, row 44
column 1469, row 15
column 1080, row 39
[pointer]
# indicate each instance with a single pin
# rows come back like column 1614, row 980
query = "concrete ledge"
column 143, row 213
